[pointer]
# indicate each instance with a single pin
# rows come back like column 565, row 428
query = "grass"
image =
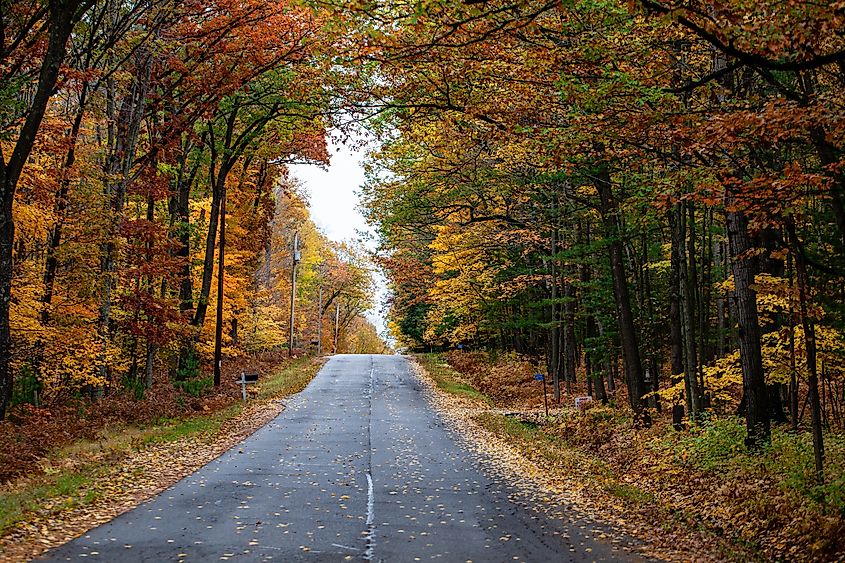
column 532, row 440
column 630, row 493
column 66, row 485
column 291, row 379
column 170, row 430
column 15, row 506
column 449, row 380
column 717, row 448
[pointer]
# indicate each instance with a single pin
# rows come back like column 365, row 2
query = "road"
column 357, row 467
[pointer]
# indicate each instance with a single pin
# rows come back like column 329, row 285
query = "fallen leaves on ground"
column 595, row 463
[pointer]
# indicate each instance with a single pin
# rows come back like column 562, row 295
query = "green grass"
column 291, row 379
column 717, row 447
column 64, row 488
column 630, row 493
column 449, row 380
column 170, row 430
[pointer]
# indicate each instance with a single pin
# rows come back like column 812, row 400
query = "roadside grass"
column 291, row 379
column 170, row 430
column 56, row 492
column 449, row 380
column 70, row 472
column 530, row 439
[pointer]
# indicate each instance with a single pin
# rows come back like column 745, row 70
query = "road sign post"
column 541, row 377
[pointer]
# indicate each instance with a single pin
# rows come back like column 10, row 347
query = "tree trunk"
column 127, row 124
column 810, row 348
column 591, row 328
column 208, row 260
column 828, row 159
column 182, row 213
column 634, row 376
column 745, row 299
column 151, row 355
column 553, row 361
column 570, row 348
column 687, row 281
column 675, row 331
column 705, row 349
column 54, row 235
column 181, row 219
column 793, row 371
column 721, row 313
column 221, row 264
column 7, row 237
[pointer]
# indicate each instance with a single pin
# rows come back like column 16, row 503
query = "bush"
column 26, row 387
column 195, row 387
column 189, row 368
column 711, row 445
column 136, row 387
column 718, row 446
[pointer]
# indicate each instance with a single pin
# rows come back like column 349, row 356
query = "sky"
column 334, row 205
column 332, row 192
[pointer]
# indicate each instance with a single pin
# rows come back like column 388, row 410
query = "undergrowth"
column 449, row 380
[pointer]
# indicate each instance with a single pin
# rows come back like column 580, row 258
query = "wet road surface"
column 357, row 468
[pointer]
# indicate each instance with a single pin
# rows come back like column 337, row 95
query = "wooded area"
column 148, row 220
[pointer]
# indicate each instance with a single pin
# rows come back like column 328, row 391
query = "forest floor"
column 70, row 469
column 694, row 495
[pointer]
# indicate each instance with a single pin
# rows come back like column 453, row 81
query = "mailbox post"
column 541, row 377
column 247, row 379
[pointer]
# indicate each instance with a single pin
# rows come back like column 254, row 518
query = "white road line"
column 345, row 547
column 371, row 501
column 371, row 542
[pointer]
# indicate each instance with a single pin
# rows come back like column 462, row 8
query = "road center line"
column 370, row 501
column 368, row 554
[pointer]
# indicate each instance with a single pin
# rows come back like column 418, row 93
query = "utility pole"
column 296, row 258
column 320, row 320
column 336, row 326
column 221, row 257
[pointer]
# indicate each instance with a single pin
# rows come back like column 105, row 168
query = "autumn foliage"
column 165, row 123
column 644, row 200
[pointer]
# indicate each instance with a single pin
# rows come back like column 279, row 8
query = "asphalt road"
column 358, row 467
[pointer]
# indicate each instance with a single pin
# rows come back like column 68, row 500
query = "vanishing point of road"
column 357, row 467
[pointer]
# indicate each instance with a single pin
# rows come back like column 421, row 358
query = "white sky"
column 334, row 205
column 333, row 198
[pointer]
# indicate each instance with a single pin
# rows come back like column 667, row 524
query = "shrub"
column 189, row 368
column 195, row 387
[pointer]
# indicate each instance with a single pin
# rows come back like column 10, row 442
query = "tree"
column 24, row 25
